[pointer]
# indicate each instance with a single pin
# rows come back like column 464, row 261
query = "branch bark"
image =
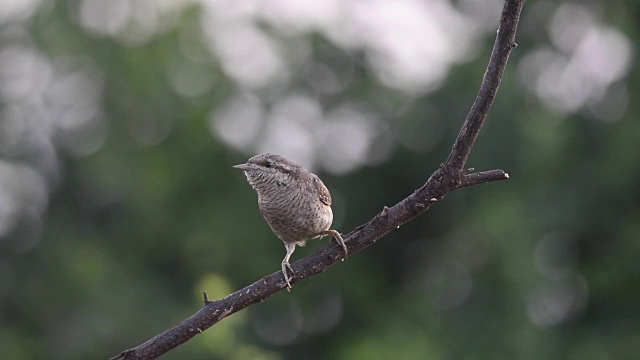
column 447, row 178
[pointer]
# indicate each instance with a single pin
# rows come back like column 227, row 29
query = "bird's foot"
column 336, row 235
column 287, row 279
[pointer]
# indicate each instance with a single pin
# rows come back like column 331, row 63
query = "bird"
column 293, row 201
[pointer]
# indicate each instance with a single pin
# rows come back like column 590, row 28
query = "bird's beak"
column 244, row 167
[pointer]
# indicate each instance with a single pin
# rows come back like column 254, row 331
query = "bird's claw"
column 336, row 235
column 287, row 279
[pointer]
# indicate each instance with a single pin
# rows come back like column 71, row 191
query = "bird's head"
column 268, row 167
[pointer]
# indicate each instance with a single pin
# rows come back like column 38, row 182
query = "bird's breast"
column 293, row 214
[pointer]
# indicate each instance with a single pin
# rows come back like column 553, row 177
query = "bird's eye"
column 268, row 163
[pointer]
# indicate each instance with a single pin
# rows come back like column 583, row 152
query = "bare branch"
column 490, row 83
column 448, row 177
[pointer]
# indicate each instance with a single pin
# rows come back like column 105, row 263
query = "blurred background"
column 120, row 121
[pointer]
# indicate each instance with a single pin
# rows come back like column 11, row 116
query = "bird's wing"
column 323, row 192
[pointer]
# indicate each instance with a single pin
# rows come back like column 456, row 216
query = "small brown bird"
column 294, row 202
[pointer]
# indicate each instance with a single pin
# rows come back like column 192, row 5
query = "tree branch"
column 490, row 83
column 448, row 177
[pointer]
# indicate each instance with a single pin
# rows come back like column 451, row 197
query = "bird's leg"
column 291, row 247
column 336, row 235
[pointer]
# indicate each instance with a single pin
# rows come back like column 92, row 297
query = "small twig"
column 206, row 298
column 483, row 177
column 448, row 177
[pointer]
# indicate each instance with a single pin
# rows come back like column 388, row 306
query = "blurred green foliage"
column 137, row 226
